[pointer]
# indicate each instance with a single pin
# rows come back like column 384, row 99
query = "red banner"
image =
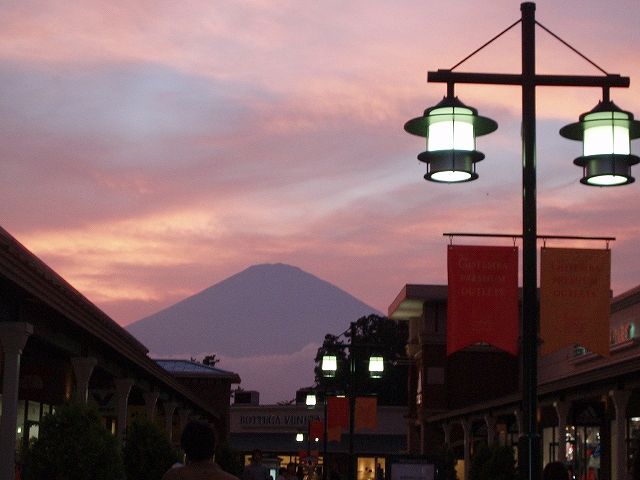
column 366, row 415
column 338, row 412
column 483, row 297
column 334, row 434
column 575, row 299
column 316, row 430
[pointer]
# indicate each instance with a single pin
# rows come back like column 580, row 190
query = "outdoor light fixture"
column 450, row 128
column 606, row 133
column 329, row 365
column 299, row 437
column 376, row 367
column 310, row 400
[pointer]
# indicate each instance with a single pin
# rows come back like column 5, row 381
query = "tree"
column 230, row 460
column 371, row 335
column 493, row 463
column 210, row 360
column 448, row 463
column 148, row 454
column 72, row 444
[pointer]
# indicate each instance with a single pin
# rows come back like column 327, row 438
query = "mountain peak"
column 264, row 309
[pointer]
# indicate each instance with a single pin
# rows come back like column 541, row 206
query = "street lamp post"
column 311, row 402
column 329, row 367
column 453, row 160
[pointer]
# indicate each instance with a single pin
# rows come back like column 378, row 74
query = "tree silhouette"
column 370, row 335
column 210, row 360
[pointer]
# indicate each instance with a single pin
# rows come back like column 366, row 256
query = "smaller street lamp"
column 376, row 366
column 329, row 365
column 310, row 400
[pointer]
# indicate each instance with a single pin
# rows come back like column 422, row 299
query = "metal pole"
column 325, row 462
column 352, row 401
column 529, row 451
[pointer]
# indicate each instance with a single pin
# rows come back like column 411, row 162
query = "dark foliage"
column 229, row 459
column 448, row 462
column 371, row 335
column 73, row 445
column 148, row 454
column 493, row 463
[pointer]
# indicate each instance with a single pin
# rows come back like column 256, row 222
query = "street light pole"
column 329, row 368
column 352, row 402
column 456, row 164
column 529, row 452
column 325, row 460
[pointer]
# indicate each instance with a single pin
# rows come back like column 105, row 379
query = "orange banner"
column 366, row 415
column 575, row 299
column 483, row 297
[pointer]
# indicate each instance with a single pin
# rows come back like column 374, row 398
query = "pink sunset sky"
column 153, row 148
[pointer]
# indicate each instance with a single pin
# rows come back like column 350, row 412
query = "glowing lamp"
column 329, row 365
column 310, row 400
column 451, row 128
column 606, row 133
column 376, row 366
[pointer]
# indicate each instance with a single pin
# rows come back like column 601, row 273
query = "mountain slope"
column 265, row 309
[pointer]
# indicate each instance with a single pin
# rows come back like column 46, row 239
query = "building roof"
column 24, row 269
column 626, row 299
column 408, row 303
column 189, row 368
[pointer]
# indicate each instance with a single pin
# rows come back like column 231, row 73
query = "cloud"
column 151, row 149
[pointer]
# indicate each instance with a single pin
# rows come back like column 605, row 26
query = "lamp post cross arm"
column 605, row 81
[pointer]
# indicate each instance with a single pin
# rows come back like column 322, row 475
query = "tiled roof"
column 188, row 368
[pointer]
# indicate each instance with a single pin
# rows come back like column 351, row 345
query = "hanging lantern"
column 450, row 128
column 606, row 133
column 329, row 365
column 376, row 366
column 310, row 400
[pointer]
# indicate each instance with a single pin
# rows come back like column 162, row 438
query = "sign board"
column 411, row 468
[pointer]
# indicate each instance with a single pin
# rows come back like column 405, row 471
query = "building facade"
column 589, row 406
column 56, row 346
column 282, row 433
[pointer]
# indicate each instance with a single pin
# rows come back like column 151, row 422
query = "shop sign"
column 276, row 420
column 483, row 297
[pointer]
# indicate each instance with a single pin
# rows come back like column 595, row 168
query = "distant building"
column 589, row 406
column 211, row 384
column 273, row 429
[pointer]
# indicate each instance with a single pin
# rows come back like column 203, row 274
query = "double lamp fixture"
column 451, row 128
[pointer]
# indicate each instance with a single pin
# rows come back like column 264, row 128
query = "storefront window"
column 633, row 438
column 583, row 452
column 371, row 468
column 33, row 411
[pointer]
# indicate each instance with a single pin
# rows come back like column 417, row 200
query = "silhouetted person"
column 555, row 471
column 199, row 443
column 256, row 470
